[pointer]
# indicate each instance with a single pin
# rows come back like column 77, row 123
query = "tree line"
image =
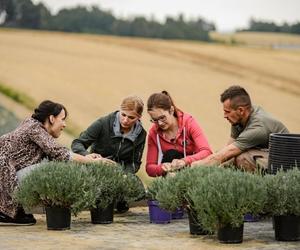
column 26, row 14
column 263, row 26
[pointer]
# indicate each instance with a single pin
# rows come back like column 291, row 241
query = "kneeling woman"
column 175, row 140
column 118, row 136
column 27, row 145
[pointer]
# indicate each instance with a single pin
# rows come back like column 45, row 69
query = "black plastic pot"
column 103, row 215
column 284, row 152
column 58, row 218
column 231, row 235
column 195, row 226
column 287, row 227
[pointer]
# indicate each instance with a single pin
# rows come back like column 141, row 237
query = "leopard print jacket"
column 28, row 144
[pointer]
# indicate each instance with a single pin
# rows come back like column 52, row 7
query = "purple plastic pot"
column 251, row 218
column 178, row 214
column 157, row 214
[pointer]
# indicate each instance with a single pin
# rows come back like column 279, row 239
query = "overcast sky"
column 226, row 14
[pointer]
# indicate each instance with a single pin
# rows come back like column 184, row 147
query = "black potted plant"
column 284, row 203
column 108, row 185
column 131, row 189
column 173, row 194
column 105, row 186
column 222, row 198
column 60, row 188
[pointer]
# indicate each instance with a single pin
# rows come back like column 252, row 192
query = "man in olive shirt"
column 250, row 130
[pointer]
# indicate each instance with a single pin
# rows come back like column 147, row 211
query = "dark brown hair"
column 161, row 100
column 47, row 108
column 237, row 95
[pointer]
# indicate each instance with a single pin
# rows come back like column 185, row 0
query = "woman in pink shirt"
column 175, row 140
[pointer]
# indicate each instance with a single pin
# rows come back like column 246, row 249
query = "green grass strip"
column 29, row 103
column 21, row 98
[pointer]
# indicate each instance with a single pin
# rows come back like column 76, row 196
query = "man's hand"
column 219, row 157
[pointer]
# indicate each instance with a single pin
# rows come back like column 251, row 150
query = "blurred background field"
column 259, row 39
column 91, row 74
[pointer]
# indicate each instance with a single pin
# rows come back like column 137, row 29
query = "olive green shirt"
column 257, row 130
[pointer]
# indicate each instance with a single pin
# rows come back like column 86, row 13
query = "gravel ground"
column 132, row 230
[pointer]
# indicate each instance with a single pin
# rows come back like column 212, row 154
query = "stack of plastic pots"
column 284, row 152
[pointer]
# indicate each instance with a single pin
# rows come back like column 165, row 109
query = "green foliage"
column 17, row 96
column 56, row 184
column 172, row 193
column 263, row 26
column 169, row 194
column 283, row 193
column 29, row 103
column 23, row 13
column 26, row 14
column 224, row 197
column 77, row 186
column 105, row 184
column 154, row 187
column 132, row 188
column 109, row 184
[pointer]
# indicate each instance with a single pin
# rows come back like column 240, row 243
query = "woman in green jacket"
column 119, row 136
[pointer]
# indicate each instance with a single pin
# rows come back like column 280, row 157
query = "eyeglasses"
column 161, row 118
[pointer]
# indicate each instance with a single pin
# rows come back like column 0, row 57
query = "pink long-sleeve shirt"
column 189, row 136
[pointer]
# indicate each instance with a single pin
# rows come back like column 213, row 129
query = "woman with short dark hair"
column 27, row 145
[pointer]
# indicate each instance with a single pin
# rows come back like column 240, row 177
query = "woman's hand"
column 177, row 164
column 166, row 167
column 171, row 174
column 93, row 156
column 108, row 161
column 98, row 158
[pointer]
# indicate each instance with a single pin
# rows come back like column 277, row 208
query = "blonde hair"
column 133, row 103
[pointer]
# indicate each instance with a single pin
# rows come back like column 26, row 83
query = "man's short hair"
column 237, row 95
